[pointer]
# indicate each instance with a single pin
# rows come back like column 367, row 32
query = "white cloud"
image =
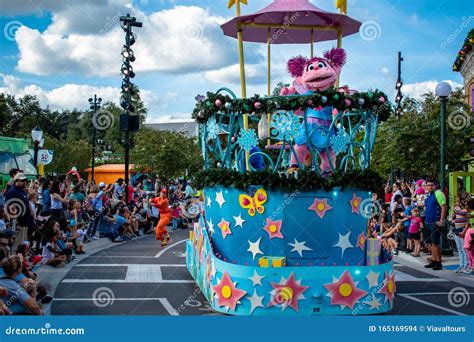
column 385, row 71
column 184, row 39
column 416, row 90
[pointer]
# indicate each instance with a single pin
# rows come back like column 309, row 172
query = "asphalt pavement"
column 140, row 277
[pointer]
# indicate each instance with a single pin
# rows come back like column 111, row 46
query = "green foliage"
column 306, row 180
column 168, row 154
column 412, row 143
column 375, row 101
column 68, row 153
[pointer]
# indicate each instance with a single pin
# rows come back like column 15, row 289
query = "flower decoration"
column 361, row 241
column 273, row 228
column 344, row 291
column 287, row 293
column 247, row 139
column 340, row 141
column 320, row 206
column 284, row 125
column 227, row 293
column 389, row 287
column 355, row 204
column 225, row 228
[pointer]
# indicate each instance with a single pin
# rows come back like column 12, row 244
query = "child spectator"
column 460, row 220
column 416, row 224
column 469, row 237
column 175, row 214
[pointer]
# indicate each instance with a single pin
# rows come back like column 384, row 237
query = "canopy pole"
column 312, row 45
column 269, row 51
column 243, row 84
column 339, row 45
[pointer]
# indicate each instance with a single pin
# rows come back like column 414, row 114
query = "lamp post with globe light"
column 37, row 137
column 443, row 90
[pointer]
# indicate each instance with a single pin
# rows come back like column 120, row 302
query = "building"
column 189, row 127
column 464, row 64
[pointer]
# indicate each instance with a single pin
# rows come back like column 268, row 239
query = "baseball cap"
column 20, row 176
column 101, row 185
column 164, row 191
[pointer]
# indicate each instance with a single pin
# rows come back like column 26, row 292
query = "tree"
column 412, row 143
column 68, row 153
column 168, row 154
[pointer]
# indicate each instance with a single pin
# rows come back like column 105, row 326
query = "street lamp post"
column 94, row 106
column 37, row 137
column 443, row 90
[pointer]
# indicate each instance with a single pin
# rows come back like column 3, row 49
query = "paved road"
column 141, row 278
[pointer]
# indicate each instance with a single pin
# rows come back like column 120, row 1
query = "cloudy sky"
column 65, row 51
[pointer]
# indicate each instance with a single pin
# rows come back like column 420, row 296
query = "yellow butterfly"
column 254, row 203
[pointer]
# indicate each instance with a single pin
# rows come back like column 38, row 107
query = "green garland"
column 306, row 180
column 466, row 48
column 375, row 101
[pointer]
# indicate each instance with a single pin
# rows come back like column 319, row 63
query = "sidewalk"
column 449, row 265
column 50, row 277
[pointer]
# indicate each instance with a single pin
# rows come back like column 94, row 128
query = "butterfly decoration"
column 254, row 204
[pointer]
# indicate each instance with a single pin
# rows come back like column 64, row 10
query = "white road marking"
column 127, row 265
column 160, row 253
column 94, row 281
column 431, row 304
column 403, row 277
column 172, row 311
column 144, row 273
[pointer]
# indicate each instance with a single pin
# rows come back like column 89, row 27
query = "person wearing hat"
column 165, row 217
column 12, row 174
column 18, row 207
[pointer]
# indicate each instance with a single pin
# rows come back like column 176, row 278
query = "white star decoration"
column 255, row 301
column 209, row 201
column 256, row 279
column 213, row 269
column 299, row 247
column 220, row 198
column 344, row 243
column 373, row 279
column 254, row 248
column 374, row 303
column 211, row 226
column 239, row 221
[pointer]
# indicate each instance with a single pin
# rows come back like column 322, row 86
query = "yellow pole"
column 269, row 75
column 339, row 45
column 243, row 84
column 312, row 45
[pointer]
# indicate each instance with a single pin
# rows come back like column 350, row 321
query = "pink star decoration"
column 273, row 228
column 287, row 294
column 361, row 241
column 344, row 291
column 320, row 206
column 227, row 294
column 225, row 228
column 355, row 203
column 389, row 287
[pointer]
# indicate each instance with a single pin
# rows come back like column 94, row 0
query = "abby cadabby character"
column 313, row 75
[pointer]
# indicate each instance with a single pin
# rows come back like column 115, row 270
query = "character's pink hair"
column 336, row 56
column 296, row 66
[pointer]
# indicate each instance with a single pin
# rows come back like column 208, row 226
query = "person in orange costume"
column 165, row 217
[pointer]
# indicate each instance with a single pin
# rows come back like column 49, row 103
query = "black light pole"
column 398, row 87
column 37, row 137
column 127, row 22
column 94, row 106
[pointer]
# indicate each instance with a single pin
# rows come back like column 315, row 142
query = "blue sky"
column 64, row 51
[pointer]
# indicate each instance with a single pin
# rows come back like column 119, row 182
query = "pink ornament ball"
column 310, row 102
column 218, row 103
column 382, row 99
column 257, row 105
column 347, row 102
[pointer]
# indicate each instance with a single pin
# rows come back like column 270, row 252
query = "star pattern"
column 361, row 240
column 320, row 207
column 212, row 128
column 211, row 226
column 343, row 243
column 247, row 139
column 287, row 293
column 256, row 279
column 299, row 247
column 255, row 300
column 220, row 198
column 355, row 204
column 273, row 228
column 374, row 303
column 389, row 287
column 239, row 221
column 254, row 248
column 227, row 293
column 209, row 201
column 225, row 228
column 373, row 279
column 344, row 291
column 340, row 141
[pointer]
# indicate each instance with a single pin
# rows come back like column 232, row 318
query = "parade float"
column 287, row 183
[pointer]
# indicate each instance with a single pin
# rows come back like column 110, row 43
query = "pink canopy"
column 281, row 14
